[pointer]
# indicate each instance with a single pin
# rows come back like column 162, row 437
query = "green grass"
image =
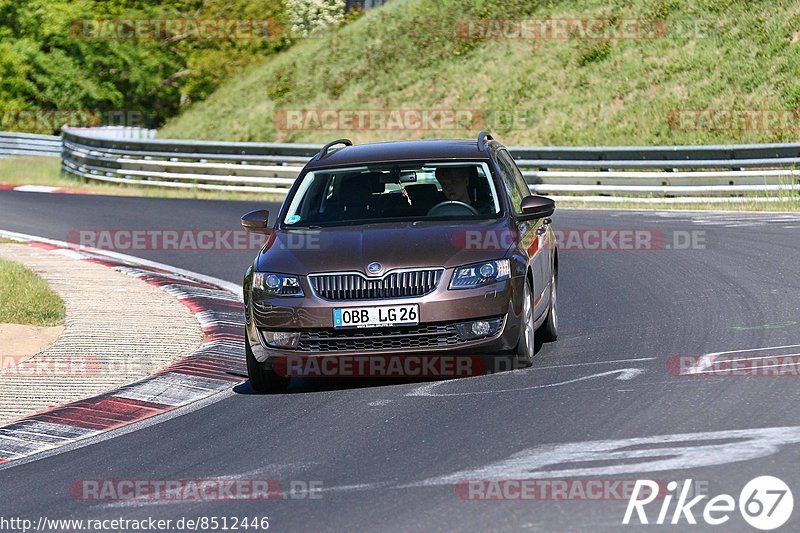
column 47, row 171
column 785, row 200
column 709, row 205
column 26, row 299
column 573, row 91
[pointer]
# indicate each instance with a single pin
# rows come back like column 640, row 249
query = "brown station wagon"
column 431, row 247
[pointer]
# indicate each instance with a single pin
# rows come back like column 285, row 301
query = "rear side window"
column 507, row 168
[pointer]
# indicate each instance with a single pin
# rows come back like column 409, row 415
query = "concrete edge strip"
column 41, row 188
column 213, row 368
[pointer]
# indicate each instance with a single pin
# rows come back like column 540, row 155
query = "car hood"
column 397, row 245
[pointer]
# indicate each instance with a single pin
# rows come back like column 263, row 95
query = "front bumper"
column 439, row 311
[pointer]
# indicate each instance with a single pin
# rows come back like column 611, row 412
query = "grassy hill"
column 713, row 55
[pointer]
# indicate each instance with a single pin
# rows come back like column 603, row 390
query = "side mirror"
column 256, row 221
column 537, row 207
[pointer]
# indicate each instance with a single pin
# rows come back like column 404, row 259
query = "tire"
column 262, row 379
column 548, row 331
column 526, row 345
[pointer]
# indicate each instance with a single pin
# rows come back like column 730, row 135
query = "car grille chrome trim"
column 351, row 286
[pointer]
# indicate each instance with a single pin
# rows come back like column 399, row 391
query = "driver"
column 455, row 184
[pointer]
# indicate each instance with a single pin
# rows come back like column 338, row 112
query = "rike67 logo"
column 765, row 503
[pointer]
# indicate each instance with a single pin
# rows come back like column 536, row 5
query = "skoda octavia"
column 432, row 247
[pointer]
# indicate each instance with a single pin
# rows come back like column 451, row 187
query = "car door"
column 546, row 244
column 530, row 231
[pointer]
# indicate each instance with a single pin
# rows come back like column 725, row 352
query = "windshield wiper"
column 309, row 226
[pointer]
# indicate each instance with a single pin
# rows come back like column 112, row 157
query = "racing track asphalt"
column 379, row 448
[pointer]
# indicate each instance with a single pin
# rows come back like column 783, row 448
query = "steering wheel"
column 451, row 208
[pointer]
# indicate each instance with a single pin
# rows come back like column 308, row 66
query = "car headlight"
column 479, row 274
column 277, row 284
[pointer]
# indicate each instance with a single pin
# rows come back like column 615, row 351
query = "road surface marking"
column 594, row 363
column 427, row 389
column 626, row 456
column 707, row 360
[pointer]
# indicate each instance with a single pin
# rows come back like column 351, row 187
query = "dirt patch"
column 20, row 343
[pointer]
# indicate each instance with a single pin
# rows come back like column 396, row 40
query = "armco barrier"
column 26, row 144
column 243, row 167
column 733, row 170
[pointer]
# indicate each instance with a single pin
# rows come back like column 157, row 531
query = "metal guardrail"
column 25, row 144
column 733, row 170
column 662, row 170
column 243, row 167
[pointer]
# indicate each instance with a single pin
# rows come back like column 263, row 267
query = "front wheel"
column 525, row 346
column 262, row 379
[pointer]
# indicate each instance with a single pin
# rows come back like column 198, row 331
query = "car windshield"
column 417, row 191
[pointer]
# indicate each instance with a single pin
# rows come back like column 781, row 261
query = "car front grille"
column 423, row 336
column 348, row 286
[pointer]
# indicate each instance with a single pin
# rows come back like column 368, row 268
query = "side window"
column 509, row 180
column 520, row 179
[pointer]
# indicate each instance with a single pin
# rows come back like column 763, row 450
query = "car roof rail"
column 482, row 138
column 322, row 153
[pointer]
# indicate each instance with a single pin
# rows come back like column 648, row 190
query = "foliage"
column 73, row 56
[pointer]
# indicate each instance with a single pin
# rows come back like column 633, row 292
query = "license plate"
column 376, row 317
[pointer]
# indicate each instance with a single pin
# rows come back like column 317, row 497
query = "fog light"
column 481, row 328
column 477, row 329
column 281, row 339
